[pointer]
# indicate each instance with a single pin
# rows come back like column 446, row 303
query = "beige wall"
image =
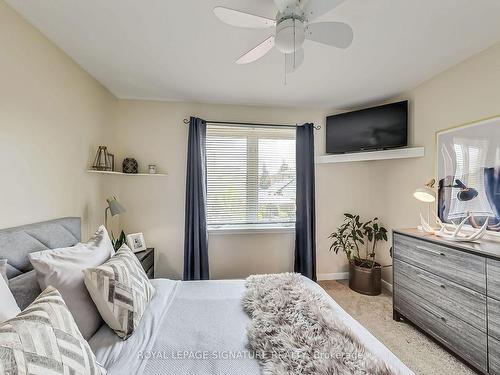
column 51, row 114
column 468, row 92
column 153, row 132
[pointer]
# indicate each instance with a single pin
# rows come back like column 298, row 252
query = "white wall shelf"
column 127, row 174
column 398, row 153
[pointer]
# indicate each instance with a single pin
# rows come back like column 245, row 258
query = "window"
column 250, row 176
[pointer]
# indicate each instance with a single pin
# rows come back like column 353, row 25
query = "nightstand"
column 147, row 259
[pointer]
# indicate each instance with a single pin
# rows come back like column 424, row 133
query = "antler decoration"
column 475, row 224
column 456, row 234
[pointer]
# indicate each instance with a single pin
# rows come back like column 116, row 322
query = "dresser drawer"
column 464, row 303
column 148, row 261
column 151, row 273
column 494, row 356
column 465, row 340
column 458, row 266
column 494, row 318
column 494, row 278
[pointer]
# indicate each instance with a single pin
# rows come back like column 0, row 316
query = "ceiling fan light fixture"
column 290, row 35
column 292, row 27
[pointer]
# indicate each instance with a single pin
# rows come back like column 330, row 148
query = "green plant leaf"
column 119, row 241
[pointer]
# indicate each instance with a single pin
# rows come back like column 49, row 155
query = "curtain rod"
column 317, row 127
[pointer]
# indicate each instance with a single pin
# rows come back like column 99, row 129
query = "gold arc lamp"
column 427, row 195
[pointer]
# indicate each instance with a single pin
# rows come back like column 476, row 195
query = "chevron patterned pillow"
column 44, row 339
column 120, row 290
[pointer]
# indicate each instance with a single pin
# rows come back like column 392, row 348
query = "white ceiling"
column 178, row 50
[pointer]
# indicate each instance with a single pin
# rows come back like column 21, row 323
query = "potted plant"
column 117, row 243
column 359, row 241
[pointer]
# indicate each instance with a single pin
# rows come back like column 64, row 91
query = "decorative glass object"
column 152, row 169
column 130, row 165
column 102, row 160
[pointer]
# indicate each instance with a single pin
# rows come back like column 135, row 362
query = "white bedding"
column 199, row 327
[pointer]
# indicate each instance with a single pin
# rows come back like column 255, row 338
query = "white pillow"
column 3, row 270
column 8, row 306
column 63, row 269
column 121, row 291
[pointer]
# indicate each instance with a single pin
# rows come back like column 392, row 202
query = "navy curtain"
column 305, row 227
column 196, row 235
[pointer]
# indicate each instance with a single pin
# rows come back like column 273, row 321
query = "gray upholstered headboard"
column 16, row 243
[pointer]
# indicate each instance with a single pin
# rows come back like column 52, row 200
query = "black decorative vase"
column 130, row 165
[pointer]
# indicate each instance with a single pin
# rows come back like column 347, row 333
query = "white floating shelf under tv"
column 397, row 153
column 127, row 174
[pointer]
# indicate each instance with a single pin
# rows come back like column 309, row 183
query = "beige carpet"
column 414, row 349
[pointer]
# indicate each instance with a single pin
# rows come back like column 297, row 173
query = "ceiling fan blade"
column 257, row 52
column 316, row 8
column 294, row 62
column 336, row 34
column 241, row 19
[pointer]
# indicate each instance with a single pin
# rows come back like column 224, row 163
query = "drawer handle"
column 440, row 317
column 432, row 281
column 435, row 252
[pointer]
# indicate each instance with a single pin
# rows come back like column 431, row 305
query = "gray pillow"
column 63, row 269
column 9, row 308
column 25, row 288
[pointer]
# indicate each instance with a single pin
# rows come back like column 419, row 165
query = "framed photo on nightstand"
column 136, row 242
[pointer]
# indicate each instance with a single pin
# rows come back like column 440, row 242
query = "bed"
column 189, row 327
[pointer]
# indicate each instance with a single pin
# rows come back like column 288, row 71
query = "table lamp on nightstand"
column 427, row 195
column 114, row 207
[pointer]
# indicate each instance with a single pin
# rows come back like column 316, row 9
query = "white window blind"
column 250, row 175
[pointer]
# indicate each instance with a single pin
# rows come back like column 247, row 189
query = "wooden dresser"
column 452, row 292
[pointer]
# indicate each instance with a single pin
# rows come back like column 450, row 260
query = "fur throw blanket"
column 294, row 331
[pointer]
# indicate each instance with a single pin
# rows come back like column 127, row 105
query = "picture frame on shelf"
column 111, row 162
column 136, row 242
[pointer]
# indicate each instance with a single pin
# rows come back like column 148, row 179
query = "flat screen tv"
column 376, row 128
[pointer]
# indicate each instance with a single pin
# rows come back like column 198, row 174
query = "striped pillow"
column 44, row 339
column 120, row 290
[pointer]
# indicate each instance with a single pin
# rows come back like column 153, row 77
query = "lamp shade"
column 115, row 208
column 425, row 194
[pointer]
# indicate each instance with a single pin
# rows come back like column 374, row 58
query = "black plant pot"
column 365, row 280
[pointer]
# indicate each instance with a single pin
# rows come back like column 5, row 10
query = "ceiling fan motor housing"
column 290, row 35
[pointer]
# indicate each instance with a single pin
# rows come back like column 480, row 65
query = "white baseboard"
column 345, row 276
column 333, row 276
column 387, row 286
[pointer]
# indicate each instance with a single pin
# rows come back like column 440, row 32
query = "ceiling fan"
column 292, row 27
